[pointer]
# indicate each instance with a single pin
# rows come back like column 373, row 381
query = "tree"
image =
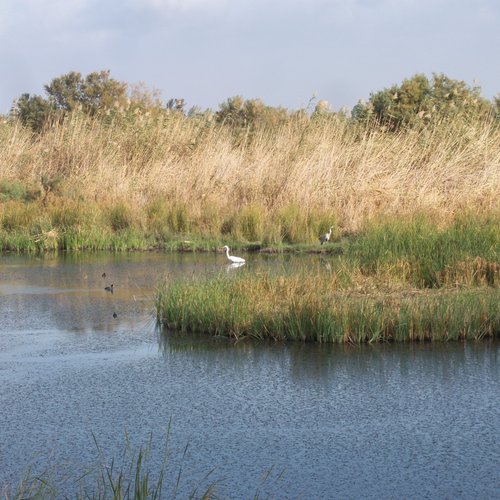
column 418, row 99
column 240, row 112
column 33, row 111
column 97, row 92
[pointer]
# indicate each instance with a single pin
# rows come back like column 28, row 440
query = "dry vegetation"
column 284, row 183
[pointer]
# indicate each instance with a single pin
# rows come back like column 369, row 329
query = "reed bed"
column 131, row 475
column 86, row 183
column 310, row 308
column 398, row 281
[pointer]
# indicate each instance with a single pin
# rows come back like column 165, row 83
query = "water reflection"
column 327, row 362
column 234, row 265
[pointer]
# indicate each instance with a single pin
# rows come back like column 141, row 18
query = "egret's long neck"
column 227, row 252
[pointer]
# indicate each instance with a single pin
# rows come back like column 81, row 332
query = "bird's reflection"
column 234, row 265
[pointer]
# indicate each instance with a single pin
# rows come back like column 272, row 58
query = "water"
column 281, row 421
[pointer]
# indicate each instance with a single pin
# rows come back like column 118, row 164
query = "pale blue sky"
column 281, row 51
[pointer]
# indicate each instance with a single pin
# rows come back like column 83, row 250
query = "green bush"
column 119, row 217
column 33, row 111
column 239, row 112
column 419, row 100
column 12, row 190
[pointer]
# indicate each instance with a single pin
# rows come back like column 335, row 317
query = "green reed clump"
column 12, row 190
column 310, row 308
column 426, row 255
column 165, row 220
column 119, row 216
column 131, row 475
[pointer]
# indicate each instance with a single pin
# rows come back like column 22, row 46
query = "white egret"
column 232, row 258
column 326, row 237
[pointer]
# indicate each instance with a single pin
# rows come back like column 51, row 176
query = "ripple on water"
column 416, row 421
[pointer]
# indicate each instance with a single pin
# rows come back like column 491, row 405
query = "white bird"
column 326, row 237
column 232, row 258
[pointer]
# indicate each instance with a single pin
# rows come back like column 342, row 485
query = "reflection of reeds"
column 138, row 184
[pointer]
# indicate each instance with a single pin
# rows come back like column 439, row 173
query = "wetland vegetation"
column 398, row 282
column 409, row 180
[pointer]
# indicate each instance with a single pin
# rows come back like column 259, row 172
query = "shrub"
column 119, row 217
column 33, row 111
column 418, row 100
column 12, row 190
column 239, row 112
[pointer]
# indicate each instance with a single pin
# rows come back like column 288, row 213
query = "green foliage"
column 177, row 219
column 496, row 105
column 97, row 92
column 12, row 190
column 248, row 225
column 307, row 308
column 427, row 256
column 17, row 215
column 33, row 111
column 238, row 112
column 119, row 217
column 418, row 100
column 302, row 226
column 251, row 222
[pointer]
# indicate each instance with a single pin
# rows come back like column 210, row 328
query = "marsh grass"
column 135, row 474
column 168, row 175
column 422, row 253
column 310, row 308
column 398, row 280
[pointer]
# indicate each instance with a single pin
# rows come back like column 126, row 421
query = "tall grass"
column 135, row 474
column 426, row 255
column 398, row 280
column 164, row 175
column 310, row 308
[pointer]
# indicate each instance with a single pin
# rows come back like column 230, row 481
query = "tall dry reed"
column 349, row 171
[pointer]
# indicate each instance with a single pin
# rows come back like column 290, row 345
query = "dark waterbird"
column 115, row 315
column 109, row 288
column 326, row 237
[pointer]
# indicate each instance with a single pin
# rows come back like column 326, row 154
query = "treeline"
column 414, row 103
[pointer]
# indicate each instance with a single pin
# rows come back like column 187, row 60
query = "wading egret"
column 232, row 258
column 326, row 237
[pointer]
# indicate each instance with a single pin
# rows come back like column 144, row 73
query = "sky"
column 285, row 52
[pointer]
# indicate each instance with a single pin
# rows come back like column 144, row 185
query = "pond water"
column 274, row 420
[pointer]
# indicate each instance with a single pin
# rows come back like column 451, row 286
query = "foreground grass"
column 143, row 473
column 132, row 475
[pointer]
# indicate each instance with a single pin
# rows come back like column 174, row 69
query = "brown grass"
column 332, row 166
